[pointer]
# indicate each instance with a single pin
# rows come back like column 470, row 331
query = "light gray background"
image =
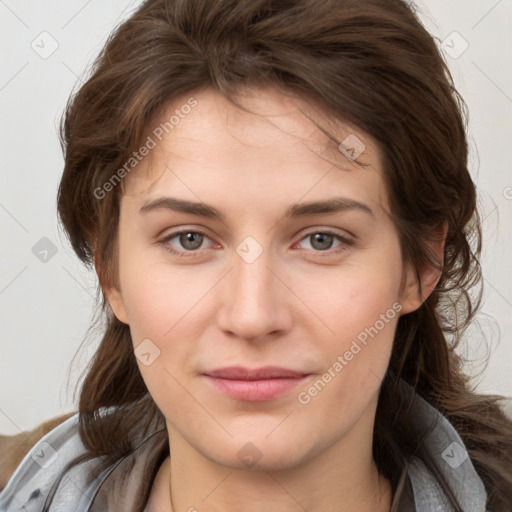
column 46, row 307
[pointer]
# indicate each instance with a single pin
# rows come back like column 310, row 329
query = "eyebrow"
column 332, row 205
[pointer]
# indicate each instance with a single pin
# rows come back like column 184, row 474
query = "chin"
column 254, row 453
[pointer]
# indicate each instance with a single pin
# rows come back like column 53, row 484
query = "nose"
column 256, row 301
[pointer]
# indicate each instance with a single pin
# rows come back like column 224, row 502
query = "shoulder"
column 43, row 481
column 447, row 453
column 38, row 474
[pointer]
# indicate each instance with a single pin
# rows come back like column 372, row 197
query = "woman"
column 275, row 197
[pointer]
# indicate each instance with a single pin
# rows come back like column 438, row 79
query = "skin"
column 297, row 306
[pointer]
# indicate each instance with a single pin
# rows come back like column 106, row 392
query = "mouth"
column 255, row 385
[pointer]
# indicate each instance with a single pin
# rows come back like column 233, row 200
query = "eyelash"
column 346, row 242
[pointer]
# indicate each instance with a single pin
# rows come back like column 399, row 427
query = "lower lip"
column 255, row 390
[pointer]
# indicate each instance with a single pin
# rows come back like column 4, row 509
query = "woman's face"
column 290, row 261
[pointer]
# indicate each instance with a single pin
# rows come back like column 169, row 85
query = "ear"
column 112, row 292
column 115, row 299
column 413, row 296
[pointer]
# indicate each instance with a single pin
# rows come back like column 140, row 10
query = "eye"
column 189, row 240
column 322, row 241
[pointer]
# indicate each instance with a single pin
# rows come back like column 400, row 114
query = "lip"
column 255, row 385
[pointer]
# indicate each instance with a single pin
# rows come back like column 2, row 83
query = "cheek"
column 161, row 299
column 161, row 310
column 360, row 307
column 354, row 297
column 166, row 310
column 356, row 356
column 363, row 339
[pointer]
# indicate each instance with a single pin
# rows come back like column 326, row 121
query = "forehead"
column 281, row 138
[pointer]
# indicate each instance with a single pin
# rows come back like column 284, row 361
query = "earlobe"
column 420, row 284
column 410, row 297
column 117, row 304
column 112, row 293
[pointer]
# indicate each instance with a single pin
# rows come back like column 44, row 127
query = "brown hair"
column 367, row 62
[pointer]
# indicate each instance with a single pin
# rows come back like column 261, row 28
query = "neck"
column 268, row 490
column 342, row 478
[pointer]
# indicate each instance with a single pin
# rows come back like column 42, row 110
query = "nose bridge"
column 252, row 280
column 253, row 297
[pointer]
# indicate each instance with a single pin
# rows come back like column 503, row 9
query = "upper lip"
column 264, row 372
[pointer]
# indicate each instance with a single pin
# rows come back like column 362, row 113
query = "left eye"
column 322, row 241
